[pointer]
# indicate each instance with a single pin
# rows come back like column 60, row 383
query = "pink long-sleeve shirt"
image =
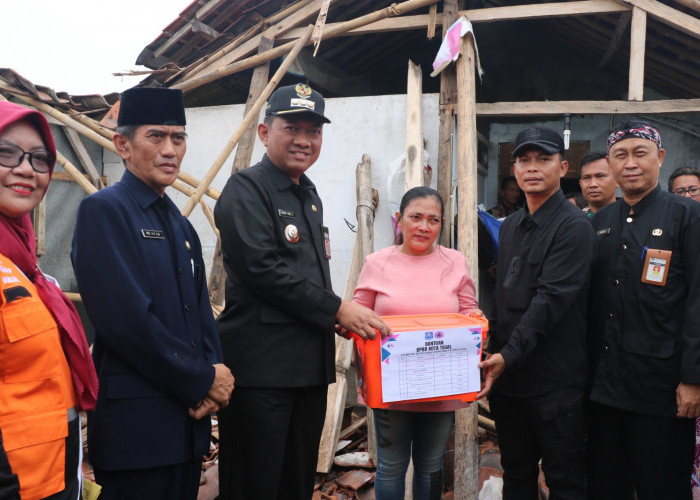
column 394, row 283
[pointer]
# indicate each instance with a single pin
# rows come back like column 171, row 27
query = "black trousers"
column 631, row 452
column 553, row 431
column 171, row 482
column 9, row 484
column 73, row 482
column 268, row 443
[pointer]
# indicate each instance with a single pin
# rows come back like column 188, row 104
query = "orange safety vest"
column 36, row 390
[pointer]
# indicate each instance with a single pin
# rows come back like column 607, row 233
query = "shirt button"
column 611, row 315
column 194, row 344
column 616, row 282
column 624, row 247
column 187, row 308
column 629, row 219
column 606, row 348
column 180, row 271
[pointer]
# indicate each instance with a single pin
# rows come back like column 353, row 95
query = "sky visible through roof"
column 75, row 45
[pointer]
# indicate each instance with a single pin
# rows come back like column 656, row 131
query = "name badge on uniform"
column 285, row 213
column 603, row 232
column 656, row 264
column 153, row 234
column 326, row 242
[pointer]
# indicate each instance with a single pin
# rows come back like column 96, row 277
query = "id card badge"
column 326, row 243
column 656, row 264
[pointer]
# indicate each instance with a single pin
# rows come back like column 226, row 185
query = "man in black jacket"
column 277, row 329
column 538, row 342
column 644, row 329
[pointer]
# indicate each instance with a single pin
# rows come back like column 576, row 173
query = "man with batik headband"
column 644, row 330
column 139, row 268
column 277, row 329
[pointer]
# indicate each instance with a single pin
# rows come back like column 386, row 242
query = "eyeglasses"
column 12, row 156
column 692, row 191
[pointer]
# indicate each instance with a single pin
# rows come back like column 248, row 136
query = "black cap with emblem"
column 299, row 98
column 542, row 138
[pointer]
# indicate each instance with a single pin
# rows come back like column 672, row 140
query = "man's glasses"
column 12, row 156
column 692, row 191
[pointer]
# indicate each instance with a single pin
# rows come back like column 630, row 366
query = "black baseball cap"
column 542, row 138
column 151, row 106
column 299, row 98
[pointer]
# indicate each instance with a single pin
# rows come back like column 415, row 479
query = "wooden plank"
column 414, row 127
column 247, row 120
column 432, row 21
column 83, row 156
column 448, row 95
column 637, row 50
column 466, row 427
column 535, row 108
column 364, row 245
column 64, row 177
column 668, row 15
column 691, row 4
column 614, row 43
column 487, row 15
column 348, row 431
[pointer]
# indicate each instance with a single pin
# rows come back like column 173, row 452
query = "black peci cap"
column 151, row 106
column 542, row 138
column 299, row 98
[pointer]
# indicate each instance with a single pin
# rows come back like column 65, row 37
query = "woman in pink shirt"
column 415, row 276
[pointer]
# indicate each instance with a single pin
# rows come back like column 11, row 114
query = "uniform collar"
column 546, row 211
column 282, row 180
column 144, row 194
column 643, row 203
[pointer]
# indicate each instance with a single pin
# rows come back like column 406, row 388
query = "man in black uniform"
column 645, row 329
column 277, row 329
column 538, row 339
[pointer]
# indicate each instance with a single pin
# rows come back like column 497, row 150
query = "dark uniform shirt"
column 541, row 287
column 645, row 337
column 139, row 268
column 277, row 327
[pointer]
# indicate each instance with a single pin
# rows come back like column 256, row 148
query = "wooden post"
column 414, row 127
column 448, row 97
column 247, row 120
column 244, row 153
column 84, row 157
column 364, row 245
column 466, row 454
column 637, row 51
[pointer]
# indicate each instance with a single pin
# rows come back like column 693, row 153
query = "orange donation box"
column 428, row 357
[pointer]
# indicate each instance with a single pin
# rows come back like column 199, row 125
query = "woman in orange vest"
column 46, row 373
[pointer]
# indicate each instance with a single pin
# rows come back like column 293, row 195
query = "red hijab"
column 18, row 243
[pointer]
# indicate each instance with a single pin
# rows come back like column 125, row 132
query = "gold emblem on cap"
column 188, row 246
column 657, row 232
column 314, row 208
column 302, row 90
column 291, row 233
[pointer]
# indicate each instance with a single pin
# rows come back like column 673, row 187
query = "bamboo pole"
column 75, row 174
column 466, row 455
column 329, row 32
column 448, row 97
column 247, row 120
column 364, row 245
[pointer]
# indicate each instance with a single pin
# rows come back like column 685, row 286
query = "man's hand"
column 205, row 407
column 223, row 384
column 361, row 320
column 494, row 365
column 688, row 400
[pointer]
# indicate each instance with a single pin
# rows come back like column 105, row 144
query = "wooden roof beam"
column 667, row 15
column 544, row 108
column 189, row 26
column 637, row 50
column 488, row 15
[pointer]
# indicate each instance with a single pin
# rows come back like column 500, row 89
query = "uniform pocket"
column 30, row 429
column 34, row 349
column 635, row 343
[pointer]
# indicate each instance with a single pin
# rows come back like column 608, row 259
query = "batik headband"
column 643, row 131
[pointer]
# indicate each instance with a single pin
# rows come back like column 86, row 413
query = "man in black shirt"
column 644, row 329
column 537, row 368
